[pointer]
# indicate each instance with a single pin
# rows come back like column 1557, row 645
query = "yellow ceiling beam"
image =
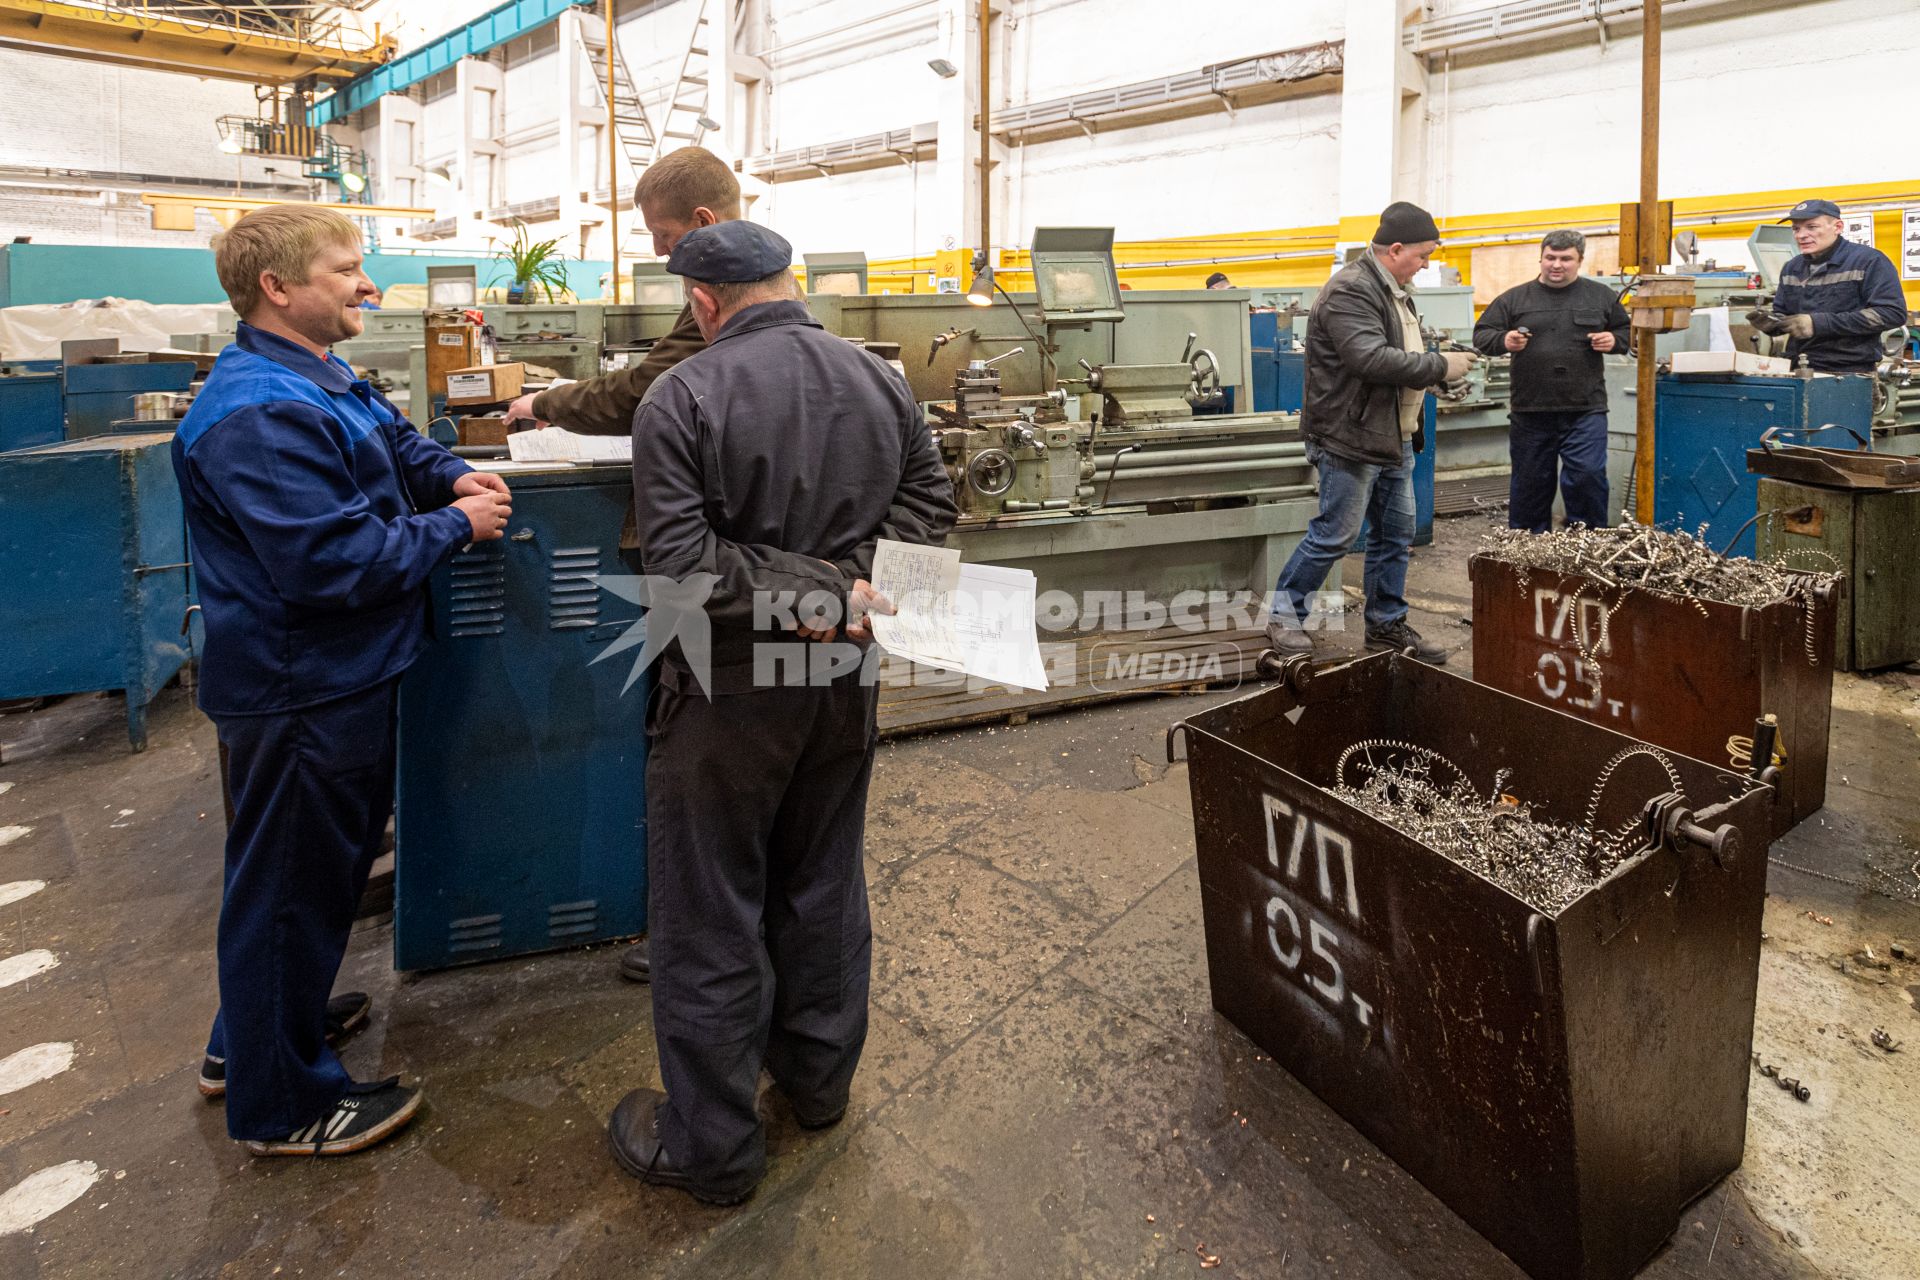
column 170, row 212
column 142, row 38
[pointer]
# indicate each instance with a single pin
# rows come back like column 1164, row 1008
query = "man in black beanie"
column 1367, row 373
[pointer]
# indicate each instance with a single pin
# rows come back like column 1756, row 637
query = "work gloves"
column 1773, row 324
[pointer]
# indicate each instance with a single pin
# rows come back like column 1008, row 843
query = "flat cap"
column 730, row 253
column 1812, row 209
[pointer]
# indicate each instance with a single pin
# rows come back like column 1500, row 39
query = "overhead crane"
column 252, row 43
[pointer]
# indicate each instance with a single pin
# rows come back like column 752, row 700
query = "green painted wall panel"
column 56, row 273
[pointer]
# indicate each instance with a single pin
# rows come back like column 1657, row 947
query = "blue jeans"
column 1573, row 443
column 1352, row 494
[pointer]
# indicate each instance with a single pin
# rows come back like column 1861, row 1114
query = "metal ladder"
column 630, row 121
column 687, row 108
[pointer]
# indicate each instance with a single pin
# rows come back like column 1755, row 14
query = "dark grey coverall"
column 773, row 461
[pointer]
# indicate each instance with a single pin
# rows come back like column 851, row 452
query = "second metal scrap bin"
column 1566, row 1083
column 1689, row 677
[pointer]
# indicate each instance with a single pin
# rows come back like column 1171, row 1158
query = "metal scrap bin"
column 1689, row 678
column 1566, row 1083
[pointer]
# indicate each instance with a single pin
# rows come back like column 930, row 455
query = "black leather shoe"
column 636, row 966
column 636, row 1148
column 825, row 1122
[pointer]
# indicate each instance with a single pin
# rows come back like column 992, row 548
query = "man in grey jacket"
column 766, row 469
column 1367, row 373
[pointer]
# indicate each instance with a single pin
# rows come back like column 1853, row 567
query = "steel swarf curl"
column 1423, row 795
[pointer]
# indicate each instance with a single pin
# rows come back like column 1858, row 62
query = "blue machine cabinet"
column 521, row 819
column 42, row 402
column 1279, row 366
column 1704, row 427
column 32, row 410
column 99, row 395
column 93, row 552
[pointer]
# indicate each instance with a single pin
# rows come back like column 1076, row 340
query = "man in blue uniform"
column 768, row 466
column 1835, row 298
column 316, row 513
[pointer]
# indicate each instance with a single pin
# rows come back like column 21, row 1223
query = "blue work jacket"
column 1853, row 296
column 316, row 513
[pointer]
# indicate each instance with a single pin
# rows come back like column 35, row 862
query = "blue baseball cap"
column 1812, row 209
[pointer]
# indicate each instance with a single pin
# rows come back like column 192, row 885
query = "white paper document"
column 972, row 618
column 557, row 444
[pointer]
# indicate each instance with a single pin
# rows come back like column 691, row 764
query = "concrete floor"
column 1046, row 1090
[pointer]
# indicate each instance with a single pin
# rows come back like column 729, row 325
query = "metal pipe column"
column 986, row 137
column 613, row 160
column 1649, row 223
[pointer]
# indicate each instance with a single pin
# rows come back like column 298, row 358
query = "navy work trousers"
column 312, row 792
column 757, row 910
column 1571, row 443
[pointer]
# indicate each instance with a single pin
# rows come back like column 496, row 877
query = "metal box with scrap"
column 1517, row 950
column 1657, row 635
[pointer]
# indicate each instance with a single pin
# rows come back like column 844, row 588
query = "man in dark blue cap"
column 766, row 468
column 1835, row 299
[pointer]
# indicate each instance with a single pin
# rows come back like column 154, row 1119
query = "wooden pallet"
column 1100, row 666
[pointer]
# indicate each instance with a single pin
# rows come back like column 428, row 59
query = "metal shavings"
column 1678, row 566
column 1546, row 864
column 1787, row 1083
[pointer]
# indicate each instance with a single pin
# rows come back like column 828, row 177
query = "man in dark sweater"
column 1557, row 328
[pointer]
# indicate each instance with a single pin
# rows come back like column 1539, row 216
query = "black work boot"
column 1400, row 637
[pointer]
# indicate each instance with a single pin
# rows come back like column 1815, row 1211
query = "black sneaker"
column 368, row 1114
column 1400, row 637
column 346, row 1014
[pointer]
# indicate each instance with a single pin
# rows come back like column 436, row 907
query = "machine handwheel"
column 991, row 472
column 1206, row 375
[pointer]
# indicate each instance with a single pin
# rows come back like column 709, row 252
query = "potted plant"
column 533, row 263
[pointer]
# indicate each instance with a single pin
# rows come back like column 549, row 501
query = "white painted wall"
column 62, row 113
column 1499, row 132
column 1562, row 127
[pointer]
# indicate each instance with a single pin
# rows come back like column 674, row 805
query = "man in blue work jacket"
column 316, row 513
column 767, row 467
column 1835, row 298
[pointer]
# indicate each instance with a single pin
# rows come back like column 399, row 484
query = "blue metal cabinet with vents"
column 521, row 817
column 32, row 407
column 1704, row 427
column 95, row 573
